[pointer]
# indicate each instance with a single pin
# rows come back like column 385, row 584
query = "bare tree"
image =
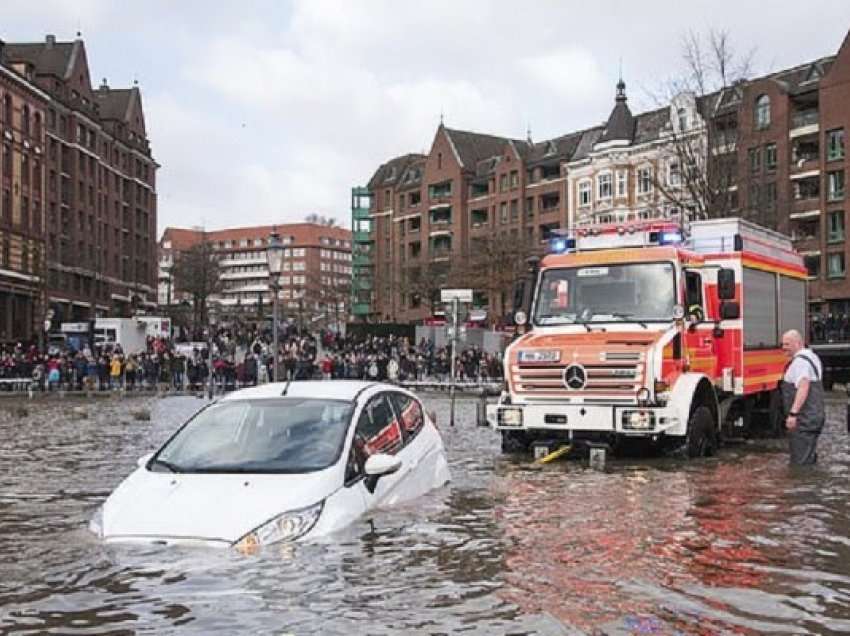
column 494, row 264
column 421, row 284
column 699, row 175
column 319, row 219
column 196, row 273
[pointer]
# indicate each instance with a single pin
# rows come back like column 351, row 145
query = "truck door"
column 699, row 341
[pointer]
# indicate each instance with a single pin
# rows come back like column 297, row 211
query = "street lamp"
column 274, row 256
column 212, row 318
column 167, row 269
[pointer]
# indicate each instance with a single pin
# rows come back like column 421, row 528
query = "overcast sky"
column 263, row 112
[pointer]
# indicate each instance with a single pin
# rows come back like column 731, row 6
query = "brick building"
column 315, row 280
column 23, row 108
column 97, row 176
column 778, row 139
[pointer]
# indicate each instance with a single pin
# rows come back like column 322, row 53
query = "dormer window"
column 682, row 116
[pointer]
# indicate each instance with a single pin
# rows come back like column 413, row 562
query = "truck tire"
column 514, row 442
column 701, row 440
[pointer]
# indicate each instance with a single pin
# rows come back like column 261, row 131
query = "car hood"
column 207, row 507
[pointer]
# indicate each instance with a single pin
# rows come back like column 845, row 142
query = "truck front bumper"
column 627, row 419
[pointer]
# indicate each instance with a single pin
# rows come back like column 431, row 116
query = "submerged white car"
column 276, row 463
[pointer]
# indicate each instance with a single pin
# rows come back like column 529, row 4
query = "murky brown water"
column 736, row 544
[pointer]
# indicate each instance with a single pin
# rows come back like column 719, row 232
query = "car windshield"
column 286, row 435
column 639, row 292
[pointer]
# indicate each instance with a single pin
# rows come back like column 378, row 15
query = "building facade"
column 315, row 283
column 770, row 149
column 23, row 108
column 98, row 183
column 362, row 269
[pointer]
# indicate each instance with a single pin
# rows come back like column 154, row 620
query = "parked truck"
column 129, row 333
column 651, row 330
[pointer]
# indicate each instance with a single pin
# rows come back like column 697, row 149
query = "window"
column 770, row 157
column 377, row 431
column 836, row 185
column 409, row 414
column 835, row 265
column 514, row 179
column 622, row 181
column 835, row 144
column 645, row 180
column 693, row 294
column 812, row 262
column 503, row 183
column 762, row 112
column 770, row 195
column 674, row 175
column 603, row 184
column 682, row 116
column 755, row 159
column 298, row 252
column 584, row 193
column 503, row 212
column 835, row 226
column 514, row 210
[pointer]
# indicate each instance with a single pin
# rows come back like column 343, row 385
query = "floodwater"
column 736, row 544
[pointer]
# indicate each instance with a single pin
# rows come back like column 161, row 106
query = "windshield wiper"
column 623, row 315
column 174, row 468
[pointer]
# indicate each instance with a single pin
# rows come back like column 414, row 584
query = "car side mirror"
column 143, row 460
column 726, row 284
column 730, row 310
column 381, row 464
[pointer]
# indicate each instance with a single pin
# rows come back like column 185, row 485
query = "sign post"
column 455, row 296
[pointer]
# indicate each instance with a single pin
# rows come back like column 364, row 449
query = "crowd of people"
column 244, row 359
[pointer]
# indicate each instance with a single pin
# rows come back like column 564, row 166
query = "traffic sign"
column 461, row 295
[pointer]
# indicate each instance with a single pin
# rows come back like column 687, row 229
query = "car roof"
column 319, row 389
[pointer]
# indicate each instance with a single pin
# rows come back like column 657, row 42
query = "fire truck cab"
column 656, row 330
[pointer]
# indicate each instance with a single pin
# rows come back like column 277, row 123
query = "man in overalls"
column 802, row 398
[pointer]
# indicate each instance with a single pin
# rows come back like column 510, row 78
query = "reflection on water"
column 736, row 544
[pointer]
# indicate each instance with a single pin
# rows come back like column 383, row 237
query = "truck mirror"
column 726, row 284
column 519, row 294
column 730, row 310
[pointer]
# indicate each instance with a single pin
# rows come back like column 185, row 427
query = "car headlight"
column 510, row 417
column 96, row 523
column 285, row 527
column 539, row 355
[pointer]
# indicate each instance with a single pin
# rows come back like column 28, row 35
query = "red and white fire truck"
column 653, row 329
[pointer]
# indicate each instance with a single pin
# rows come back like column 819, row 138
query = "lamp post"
column 274, row 256
column 168, row 269
column 212, row 318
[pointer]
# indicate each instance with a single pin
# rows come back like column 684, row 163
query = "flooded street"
column 739, row 543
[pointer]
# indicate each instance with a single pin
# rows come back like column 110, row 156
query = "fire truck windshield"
column 638, row 292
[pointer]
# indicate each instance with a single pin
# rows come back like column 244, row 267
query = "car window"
column 377, row 431
column 410, row 415
column 283, row 435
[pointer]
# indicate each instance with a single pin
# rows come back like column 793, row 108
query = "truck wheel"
column 514, row 442
column 701, row 439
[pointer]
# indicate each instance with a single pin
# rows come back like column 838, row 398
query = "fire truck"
column 658, row 330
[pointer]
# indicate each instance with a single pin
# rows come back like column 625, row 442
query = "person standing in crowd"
column 802, row 398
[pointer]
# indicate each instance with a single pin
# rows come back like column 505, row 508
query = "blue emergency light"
column 668, row 238
column 560, row 245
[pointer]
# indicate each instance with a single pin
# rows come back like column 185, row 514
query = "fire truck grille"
column 600, row 379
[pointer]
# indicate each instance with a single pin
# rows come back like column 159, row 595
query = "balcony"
column 479, row 219
column 441, row 217
column 361, row 237
column 361, row 309
column 804, row 122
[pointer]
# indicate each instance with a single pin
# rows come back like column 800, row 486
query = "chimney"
column 50, row 40
column 2, row 46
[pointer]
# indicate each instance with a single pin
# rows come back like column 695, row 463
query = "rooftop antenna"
column 441, row 115
column 528, row 134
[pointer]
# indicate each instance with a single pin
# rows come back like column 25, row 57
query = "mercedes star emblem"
column 575, row 377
